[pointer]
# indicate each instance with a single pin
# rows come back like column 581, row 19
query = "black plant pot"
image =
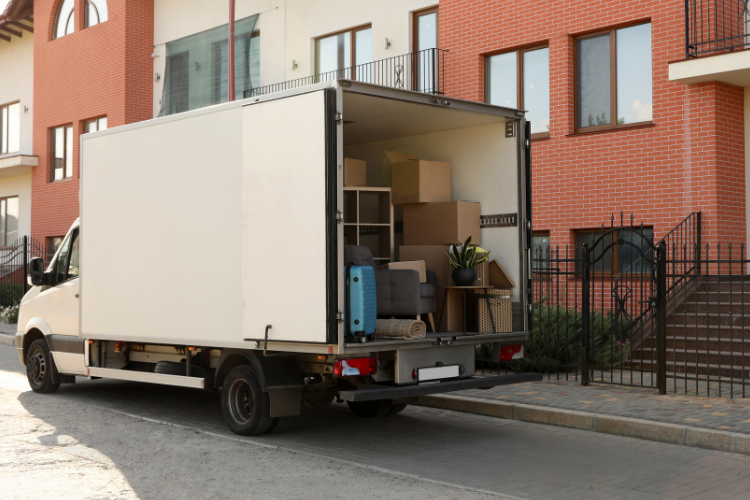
column 464, row 277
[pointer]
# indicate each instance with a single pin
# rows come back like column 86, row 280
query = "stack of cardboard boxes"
column 432, row 221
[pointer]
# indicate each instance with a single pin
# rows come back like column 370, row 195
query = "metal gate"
column 623, row 299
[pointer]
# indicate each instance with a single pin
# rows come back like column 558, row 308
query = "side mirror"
column 36, row 272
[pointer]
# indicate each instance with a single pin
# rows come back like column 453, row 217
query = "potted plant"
column 463, row 259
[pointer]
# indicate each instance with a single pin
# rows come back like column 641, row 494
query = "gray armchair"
column 399, row 291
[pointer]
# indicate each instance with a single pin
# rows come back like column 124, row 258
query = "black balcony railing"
column 422, row 71
column 713, row 26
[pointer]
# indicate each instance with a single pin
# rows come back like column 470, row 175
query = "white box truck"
column 209, row 252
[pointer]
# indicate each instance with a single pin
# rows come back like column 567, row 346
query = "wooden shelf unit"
column 368, row 220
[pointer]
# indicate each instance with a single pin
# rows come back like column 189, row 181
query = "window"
column 425, row 31
column 10, row 126
column 520, row 79
column 344, row 50
column 95, row 13
column 8, row 220
column 95, row 125
column 540, row 250
column 618, row 258
column 178, row 83
column 246, row 63
column 65, row 22
column 54, row 243
column 613, row 78
column 67, row 265
column 62, row 153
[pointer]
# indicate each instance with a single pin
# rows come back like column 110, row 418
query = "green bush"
column 556, row 339
column 10, row 293
column 10, row 314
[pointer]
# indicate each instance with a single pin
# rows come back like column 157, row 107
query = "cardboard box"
column 419, row 181
column 499, row 277
column 414, row 265
column 442, row 223
column 433, row 256
column 355, row 172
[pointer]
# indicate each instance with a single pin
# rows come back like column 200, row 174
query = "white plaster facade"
column 288, row 29
column 16, row 85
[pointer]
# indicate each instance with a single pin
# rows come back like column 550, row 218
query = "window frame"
column 519, row 77
column 67, row 127
column 86, row 14
column 94, row 120
column 4, row 129
column 57, row 20
column 612, row 32
column 352, row 47
column 415, row 25
column 4, row 235
column 615, row 253
column 66, row 245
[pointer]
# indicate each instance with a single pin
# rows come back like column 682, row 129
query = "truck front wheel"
column 39, row 368
column 246, row 407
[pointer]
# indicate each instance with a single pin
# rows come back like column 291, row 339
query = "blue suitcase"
column 361, row 302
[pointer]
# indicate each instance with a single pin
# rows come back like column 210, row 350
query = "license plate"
column 437, row 373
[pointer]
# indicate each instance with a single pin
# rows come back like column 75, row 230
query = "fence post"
column 585, row 315
column 687, row 29
column 698, row 241
column 661, row 316
column 25, row 264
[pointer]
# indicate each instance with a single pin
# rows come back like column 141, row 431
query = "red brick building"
column 81, row 75
column 689, row 155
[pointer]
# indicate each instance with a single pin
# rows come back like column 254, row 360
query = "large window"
column 520, row 79
column 246, row 63
column 622, row 257
column 344, row 50
column 540, row 250
column 95, row 125
column 65, row 20
column 10, row 128
column 9, row 208
column 425, row 29
column 426, row 37
column 96, row 12
column 62, row 153
column 613, row 78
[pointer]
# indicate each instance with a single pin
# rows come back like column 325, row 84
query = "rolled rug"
column 402, row 329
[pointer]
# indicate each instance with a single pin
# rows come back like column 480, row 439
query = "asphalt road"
column 110, row 439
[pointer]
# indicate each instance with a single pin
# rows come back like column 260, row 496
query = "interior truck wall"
column 161, row 219
column 484, row 169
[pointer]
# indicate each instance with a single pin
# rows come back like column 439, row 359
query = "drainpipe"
column 230, row 54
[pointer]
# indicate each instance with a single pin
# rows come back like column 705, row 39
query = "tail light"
column 510, row 352
column 354, row 367
column 118, row 346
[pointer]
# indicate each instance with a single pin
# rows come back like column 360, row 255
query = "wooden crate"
column 502, row 310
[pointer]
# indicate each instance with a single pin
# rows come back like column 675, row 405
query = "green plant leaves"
column 462, row 256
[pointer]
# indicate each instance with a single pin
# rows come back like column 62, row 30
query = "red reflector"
column 354, row 367
column 511, row 352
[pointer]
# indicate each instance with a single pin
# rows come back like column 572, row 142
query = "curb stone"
column 682, row 435
column 7, row 339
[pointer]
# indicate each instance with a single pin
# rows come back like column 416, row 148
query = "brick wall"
column 104, row 70
column 691, row 158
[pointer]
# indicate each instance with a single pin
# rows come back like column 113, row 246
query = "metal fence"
column 422, row 71
column 14, row 262
column 715, row 26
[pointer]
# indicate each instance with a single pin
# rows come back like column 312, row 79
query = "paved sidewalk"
column 645, row 404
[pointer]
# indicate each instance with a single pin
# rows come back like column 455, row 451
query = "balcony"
column 422, row 71
column 716, row 28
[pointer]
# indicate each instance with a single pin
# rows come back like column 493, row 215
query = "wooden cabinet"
column 368, row 220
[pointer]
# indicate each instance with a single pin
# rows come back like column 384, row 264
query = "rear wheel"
column 39, row 368
column 370, row 409
column 396, row 409
column 246, row 408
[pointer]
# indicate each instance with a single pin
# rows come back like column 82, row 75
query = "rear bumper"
column 388, row 392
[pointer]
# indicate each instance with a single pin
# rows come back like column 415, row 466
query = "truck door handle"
column 76, row 295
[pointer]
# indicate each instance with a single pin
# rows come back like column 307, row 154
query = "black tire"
column 278, row 424
column 396, row 409
column 246, row 408
column 39, row 367
column 170, row 368
column 370, row 409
